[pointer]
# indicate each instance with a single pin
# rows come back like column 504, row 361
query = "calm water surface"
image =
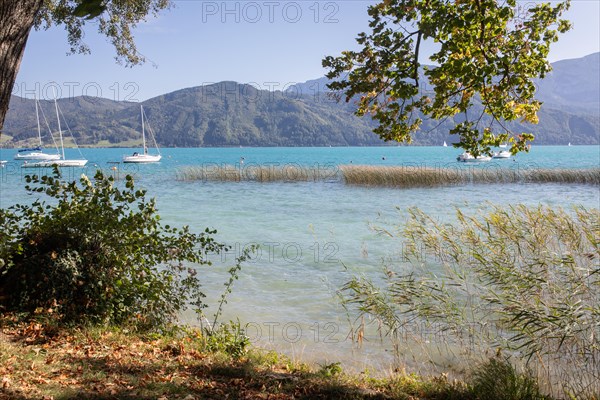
column 313, row 235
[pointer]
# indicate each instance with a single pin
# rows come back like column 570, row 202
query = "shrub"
column 229, row 338
column 99, row 253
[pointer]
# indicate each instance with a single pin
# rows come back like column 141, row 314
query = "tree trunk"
column 16, row 21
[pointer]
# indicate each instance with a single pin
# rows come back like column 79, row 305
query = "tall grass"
column 257, row 173
column 407, row 176
column 521, row 282
column 499, row 380
column 394, row 176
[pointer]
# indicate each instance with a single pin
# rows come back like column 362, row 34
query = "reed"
column 519, row 282
column 410, row 176
column 393, row 176
column 257, row 173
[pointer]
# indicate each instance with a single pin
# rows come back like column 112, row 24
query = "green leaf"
column 89, row 9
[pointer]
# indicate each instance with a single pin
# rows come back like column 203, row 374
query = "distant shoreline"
column 383, row 145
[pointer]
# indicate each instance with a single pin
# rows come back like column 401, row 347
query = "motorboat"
column 468, row 157
column 503, row 154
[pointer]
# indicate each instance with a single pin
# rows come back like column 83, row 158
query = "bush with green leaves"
column 519, row 281
column 229, row 338
column 97, row 252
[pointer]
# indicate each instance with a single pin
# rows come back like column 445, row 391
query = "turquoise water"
column 313, row 235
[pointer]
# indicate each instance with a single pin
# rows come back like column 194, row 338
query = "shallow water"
column 313, row 236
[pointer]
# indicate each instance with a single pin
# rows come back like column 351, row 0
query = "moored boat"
column 503, row 154
column 468, row 157
column 36, row 153
column 62, row 161
column 29, row 154
column 143, row 157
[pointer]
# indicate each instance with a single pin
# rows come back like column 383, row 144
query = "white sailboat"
column 445, row 145
column 36, row 153
column 144, row 157
column 62, row 161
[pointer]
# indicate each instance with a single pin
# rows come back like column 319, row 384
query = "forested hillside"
column 232, row 114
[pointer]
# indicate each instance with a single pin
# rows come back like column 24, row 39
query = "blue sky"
column 270, row 44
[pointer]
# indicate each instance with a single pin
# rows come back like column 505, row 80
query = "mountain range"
column 233, row 114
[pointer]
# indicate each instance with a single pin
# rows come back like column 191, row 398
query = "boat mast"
column 143, row 132
column 37, row 116
column 62, row 146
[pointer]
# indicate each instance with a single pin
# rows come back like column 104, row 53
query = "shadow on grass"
column 118, row 366
column 101, row 378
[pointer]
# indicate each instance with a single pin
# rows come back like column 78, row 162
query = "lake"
column 313, row 236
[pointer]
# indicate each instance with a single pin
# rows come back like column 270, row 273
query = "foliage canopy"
column 487, row 51
column 114, row 19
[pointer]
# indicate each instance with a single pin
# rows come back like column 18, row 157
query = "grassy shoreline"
column 40, row 361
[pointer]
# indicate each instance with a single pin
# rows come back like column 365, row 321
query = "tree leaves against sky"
column 487, row 51
column 114, row 19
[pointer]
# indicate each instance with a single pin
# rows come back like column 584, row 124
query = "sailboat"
column 62, row 161
column 36, row 153
column 143, row 157
column 445, row 145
